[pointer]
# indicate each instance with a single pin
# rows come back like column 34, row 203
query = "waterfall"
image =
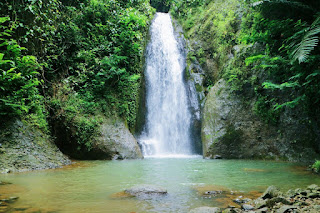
column 168, row 118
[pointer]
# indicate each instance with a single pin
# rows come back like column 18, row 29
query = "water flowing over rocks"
column 231, row 129
column 168, row 118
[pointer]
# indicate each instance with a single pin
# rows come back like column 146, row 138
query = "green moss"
column 199, row 88
column 219, row 91
column 228, row 144
column 211, row 26
column 232, row 136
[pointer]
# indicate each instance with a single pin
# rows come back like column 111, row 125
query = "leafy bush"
column 19, row 80
column 316, row 166
column 104, row 60
column 95, row 45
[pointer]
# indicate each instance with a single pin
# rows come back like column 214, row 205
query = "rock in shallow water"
column 212, row 192
column 285, row 208
column 260, row 203
column 247, row 207
column 10, row 199
column 271, row 192
column 205, row 209
column 313, row 187
column 146, row 189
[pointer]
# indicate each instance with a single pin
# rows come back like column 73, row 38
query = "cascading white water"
column 168, row 119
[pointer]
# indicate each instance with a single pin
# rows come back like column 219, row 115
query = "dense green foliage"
column 80, row 60
column 19, row 79
column 77, row 60
column 316, row 166
column 265, row 49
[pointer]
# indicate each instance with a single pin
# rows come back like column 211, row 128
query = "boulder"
column 271, row 192
column 247, row 207
column 146, row 189
column 313, row 187
column 232, row 129
column 205, row 209
column 290, row 193
column 241, row 200
column 117, row 139
column 285, row 208
column 232, row 210
column 262, row 210
column 260, row 203
column 112, row 140
column 273, row 201
column 314, row 195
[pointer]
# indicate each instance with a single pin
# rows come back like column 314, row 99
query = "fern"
column 309, row 41
column 290, row 104
column 272, row 86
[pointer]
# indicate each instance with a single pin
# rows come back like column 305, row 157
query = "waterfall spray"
column 168, row 119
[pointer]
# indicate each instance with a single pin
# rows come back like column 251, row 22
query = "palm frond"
column 310, row 40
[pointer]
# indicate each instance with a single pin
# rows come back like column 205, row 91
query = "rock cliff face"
column 113, row 140
column 232, row 130
column 193, row 77
column 23, row 148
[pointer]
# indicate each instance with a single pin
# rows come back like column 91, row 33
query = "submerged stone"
column 210, row 190
column 10, row 199
column 4, row 183
column 205, row 209
column 146, row 189
column 121, row 195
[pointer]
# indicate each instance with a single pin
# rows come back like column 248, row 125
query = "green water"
column 88, row 186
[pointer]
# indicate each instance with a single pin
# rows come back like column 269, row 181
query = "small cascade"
column 168, row 118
